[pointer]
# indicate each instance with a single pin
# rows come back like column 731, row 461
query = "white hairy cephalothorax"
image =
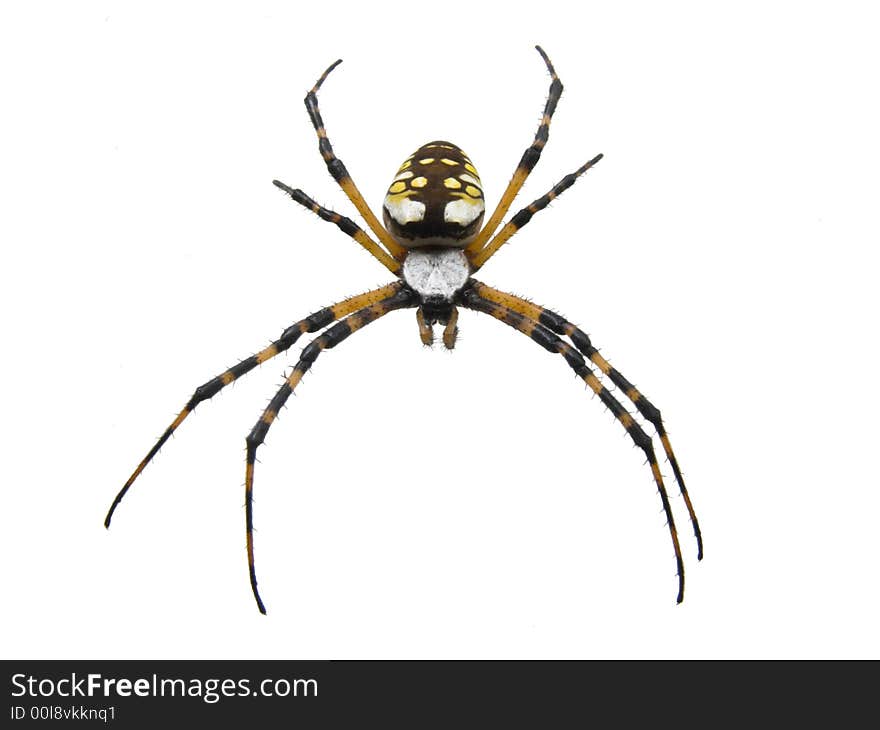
column 437, row 273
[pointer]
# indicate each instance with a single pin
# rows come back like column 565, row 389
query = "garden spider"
column 433, row 243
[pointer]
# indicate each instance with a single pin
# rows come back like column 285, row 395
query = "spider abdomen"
column 436, row 198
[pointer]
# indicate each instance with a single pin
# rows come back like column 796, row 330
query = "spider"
column 433, row 241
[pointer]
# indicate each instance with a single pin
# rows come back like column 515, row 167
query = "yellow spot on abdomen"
column 405, row 165
column 399, row 187
column 447, row 161
column 419, row 182
column 470, row 168
column 451, row 183
column 426, row 161
column 405, row 175
column 472, row 191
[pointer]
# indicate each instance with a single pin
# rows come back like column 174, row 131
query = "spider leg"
column 401, row 298
column 313, row 323
column 525, row 215
column 582, row 342
column 346, row 225
column 340, row 173
column 471, row 299
column 526, row 164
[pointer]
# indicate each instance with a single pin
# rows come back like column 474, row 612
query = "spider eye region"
column 435, row 199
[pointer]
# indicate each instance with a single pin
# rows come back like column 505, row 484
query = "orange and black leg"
column 525, row 215
column 581, row 341
column 472, row 299
column 526, row 164
column 403, row 297
column 346, row 225
column 313, row 323
column 339, row 172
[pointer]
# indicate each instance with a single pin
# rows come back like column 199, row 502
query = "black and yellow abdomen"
column 436, row 198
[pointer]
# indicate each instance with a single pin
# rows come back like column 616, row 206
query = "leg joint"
column 530, row 159
column 642, row 440
column 337, row 170
column 310, row 352
column 552, row 321
column 582, row 342
column 546, row 339
column 256, row 437
column 573, row 358
column 203, row 392
column 650, row 412
column 521, row 218
column 319, row 320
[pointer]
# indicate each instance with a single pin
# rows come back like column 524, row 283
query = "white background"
column 416, row 503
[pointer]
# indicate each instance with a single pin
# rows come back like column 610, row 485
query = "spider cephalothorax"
column 433, row 243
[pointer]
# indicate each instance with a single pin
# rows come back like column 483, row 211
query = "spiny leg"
column 346, row 225
column 471, row 299
column 340, row 173
column 404, row 297
column 525, row 215
column 526, row 164
column 582, row 342
column 312, row 323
